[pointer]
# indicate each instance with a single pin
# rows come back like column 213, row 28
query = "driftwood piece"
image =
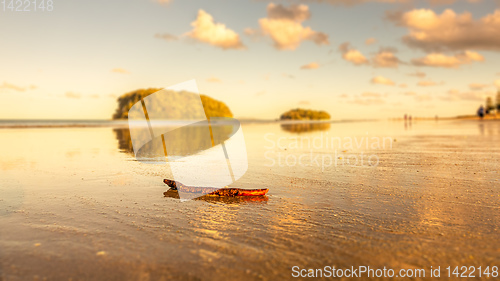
column 210, row 191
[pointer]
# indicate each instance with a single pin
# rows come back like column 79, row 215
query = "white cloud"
column 358, row 2
column 8, row 86
column 386, row 58
column 418, row 74
column 428, row 83
column 355, row 57
column 297, row 13
column 312, row 65
column 449, row 31
column 164, row 1
column 382, row 81
column 217, row 34
column 214, row 80
column 72, row 95
column 284, row 26
column 352, row 55
column 441, row 60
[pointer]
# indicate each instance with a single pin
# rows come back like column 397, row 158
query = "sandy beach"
column 76, row 205
column 249, row 140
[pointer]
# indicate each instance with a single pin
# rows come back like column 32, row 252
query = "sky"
column 355, row 59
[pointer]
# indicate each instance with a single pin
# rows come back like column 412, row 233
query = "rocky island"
column 305, row 114
column 213, row 108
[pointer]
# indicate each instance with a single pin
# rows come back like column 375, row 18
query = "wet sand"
column 75, row 205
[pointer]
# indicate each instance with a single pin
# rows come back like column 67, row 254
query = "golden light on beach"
column 249, row 140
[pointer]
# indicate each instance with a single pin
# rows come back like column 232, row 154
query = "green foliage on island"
column 305, row 114
column 213, row 108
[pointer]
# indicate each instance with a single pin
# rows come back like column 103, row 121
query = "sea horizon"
column 60, row 123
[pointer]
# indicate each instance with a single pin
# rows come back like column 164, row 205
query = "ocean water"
column 76, row 205
column 5, row 124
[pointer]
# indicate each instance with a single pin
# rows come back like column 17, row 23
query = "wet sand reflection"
column 305, row 127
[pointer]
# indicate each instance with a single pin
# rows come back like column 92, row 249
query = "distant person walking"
column 480, row 112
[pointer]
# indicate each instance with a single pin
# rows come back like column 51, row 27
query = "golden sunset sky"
column 355, row 59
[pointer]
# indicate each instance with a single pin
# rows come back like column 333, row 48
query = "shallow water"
column 75, row 205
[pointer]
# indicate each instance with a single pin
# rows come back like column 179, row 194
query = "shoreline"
column 32, row 124
column 44, row 124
